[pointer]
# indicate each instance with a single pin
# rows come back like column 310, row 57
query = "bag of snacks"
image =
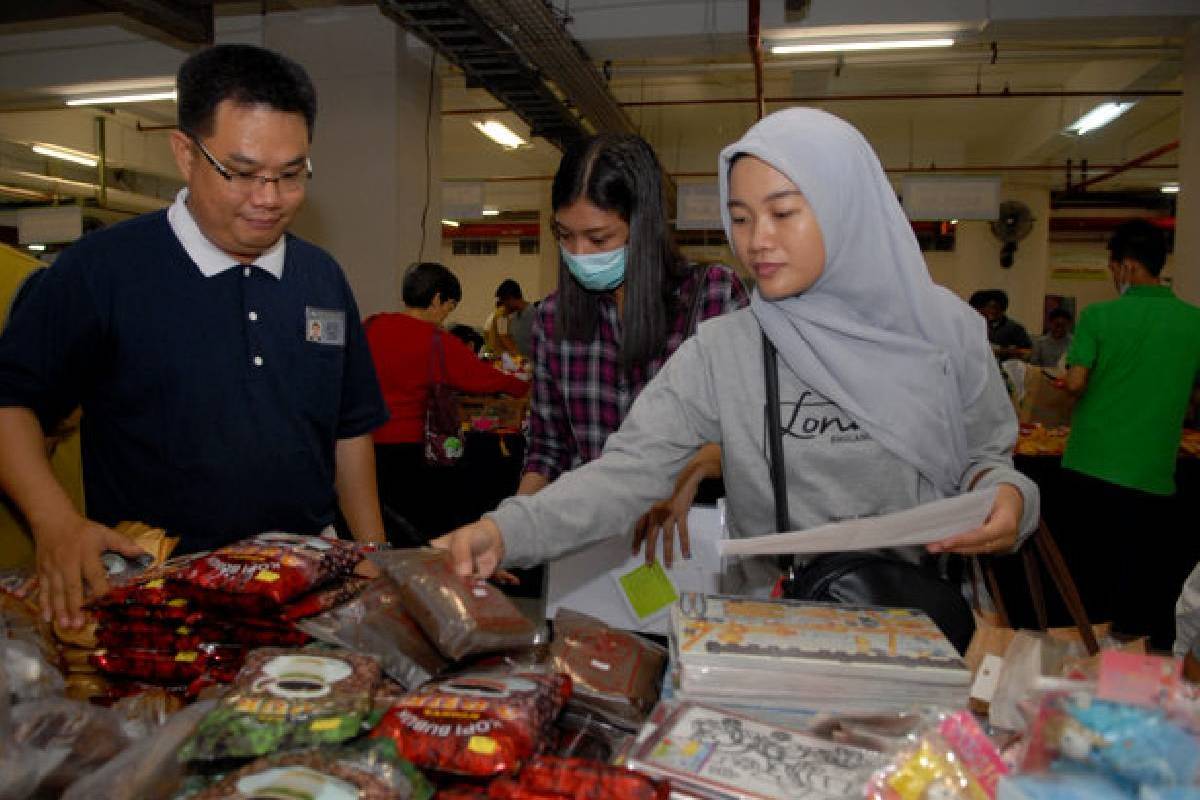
column 324, row 599
column 287, row 699
column 171, row 667
column 615, row 673
column 588, row 780
column 87, row 735
column 479, row 723
column 376, row 624
column 461, row 615
column 146, row 768
column 370, row 770
column 257, row 576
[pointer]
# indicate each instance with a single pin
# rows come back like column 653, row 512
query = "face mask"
column 598, row 272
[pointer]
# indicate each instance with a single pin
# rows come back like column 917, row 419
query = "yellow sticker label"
column 484, row 745
column 327, row 724
column 178, row 602
column 157, row 583
column 266, row 576
column 183, row 630
column 187, row 657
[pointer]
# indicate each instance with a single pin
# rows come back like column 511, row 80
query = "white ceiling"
column 684, row 51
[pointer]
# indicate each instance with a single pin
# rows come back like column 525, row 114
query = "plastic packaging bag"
column 947, row 757
column 462, row 616
column 480, row 723
column 147, row 768
column 375, row 623
column 86, row 736
column 615, row 673
column 287, row 699
column 370, row 770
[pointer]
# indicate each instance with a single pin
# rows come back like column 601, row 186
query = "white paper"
column 582, row 581
column 918, row 525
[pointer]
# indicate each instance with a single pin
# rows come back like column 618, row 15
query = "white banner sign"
column 46, row 225
column 697, row 207
column 944, row 197
column 462, row 200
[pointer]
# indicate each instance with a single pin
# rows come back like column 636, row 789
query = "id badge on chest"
column 325, row 326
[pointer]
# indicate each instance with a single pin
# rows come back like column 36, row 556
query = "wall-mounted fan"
column 1014, row 224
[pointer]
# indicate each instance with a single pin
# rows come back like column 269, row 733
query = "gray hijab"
column 873, row 334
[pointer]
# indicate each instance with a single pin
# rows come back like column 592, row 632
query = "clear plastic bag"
column 376, row 624
column 83, row 736
column 462, row 616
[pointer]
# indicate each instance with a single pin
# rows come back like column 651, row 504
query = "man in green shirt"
column 1132, row 364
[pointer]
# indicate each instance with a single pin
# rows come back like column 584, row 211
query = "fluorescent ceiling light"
column 17, row 191
column 491, row 212
column 65, row 154
column 113, row 99
column 847, row 47
column 38, row 247
column 499, row 133
column 1169, row 188
column 449, row 223
column 1099, row 116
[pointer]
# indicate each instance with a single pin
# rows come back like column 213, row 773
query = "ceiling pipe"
column 1133, row 163
column 756, row 56
column 859, row 98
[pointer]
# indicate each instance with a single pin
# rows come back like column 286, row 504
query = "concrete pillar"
column 1186, row 264
column 375, row 198
column 548, row 246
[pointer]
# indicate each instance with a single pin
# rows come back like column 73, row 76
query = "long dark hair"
column 620, row 173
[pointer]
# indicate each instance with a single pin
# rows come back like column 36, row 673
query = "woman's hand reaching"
column 997, row 535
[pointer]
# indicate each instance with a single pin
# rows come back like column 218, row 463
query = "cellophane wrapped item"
column 369, row 770
column 147, row 768
column 950, row 758
column 614, row 673
column 259, row 576
column 376, row 624
column 67, row 737
column 480, row 723
column 286, row 699
column 462, row 616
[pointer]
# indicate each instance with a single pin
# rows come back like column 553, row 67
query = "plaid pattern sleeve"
column 580, row 393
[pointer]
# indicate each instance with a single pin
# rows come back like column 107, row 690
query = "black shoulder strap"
column 775, row 437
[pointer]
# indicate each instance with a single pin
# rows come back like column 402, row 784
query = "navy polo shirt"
column 211, row 406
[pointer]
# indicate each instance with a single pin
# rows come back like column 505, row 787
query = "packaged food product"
column 375, row 623
column 584, row 779
column 148, row 767
column 369, row 771
column 87, row 735
column 579, row 733
column 259, row 575
column 478, row 723
column 462, row 616
column 287, row 699
column 165, row 666
column 615, row 673
column 163, row 635
column 149, row 587
column 324, row 599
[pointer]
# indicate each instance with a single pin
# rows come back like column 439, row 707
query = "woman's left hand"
column 998, row 533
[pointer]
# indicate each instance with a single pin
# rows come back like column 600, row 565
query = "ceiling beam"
column 190, row 23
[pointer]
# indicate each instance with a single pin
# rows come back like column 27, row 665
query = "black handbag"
column 859, row 578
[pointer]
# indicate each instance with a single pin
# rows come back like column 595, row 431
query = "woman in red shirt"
column 402, row 346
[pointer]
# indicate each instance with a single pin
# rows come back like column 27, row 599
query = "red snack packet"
column 261, row 574
column 181, row 667
column 588, row 780
column 163, row 635
column 479, row 724
column 323, row 600
column 149, row 587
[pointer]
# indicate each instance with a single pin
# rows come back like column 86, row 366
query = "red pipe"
column 1149, row 155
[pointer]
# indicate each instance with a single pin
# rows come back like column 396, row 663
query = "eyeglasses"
column 287, row 182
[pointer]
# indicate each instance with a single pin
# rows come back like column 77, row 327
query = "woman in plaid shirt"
column 626, row 299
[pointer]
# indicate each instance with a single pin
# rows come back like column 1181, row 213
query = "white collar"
column 211, row 259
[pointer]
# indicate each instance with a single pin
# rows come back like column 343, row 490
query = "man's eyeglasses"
column 293, row 180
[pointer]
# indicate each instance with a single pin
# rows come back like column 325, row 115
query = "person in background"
column 1048, row 350
column 468, row 336
column 888, row 398
column 1008, row 338
column 183, row 335
column 1132, row 364
column 625, row 301
column 517, row 336
column 410, row 350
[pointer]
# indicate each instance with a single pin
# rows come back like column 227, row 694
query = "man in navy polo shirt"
column 224, row 376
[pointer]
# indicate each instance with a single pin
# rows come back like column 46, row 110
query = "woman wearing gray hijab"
column 888, row 395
